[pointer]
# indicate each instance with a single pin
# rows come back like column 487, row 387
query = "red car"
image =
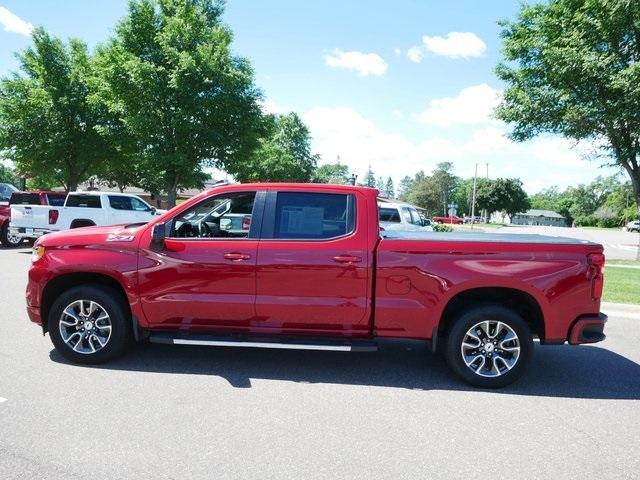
column 36, row 197
column 311, row 271
column 453, row 220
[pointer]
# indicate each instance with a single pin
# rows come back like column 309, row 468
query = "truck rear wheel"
column 8, row 240
column 489, row 346
column 89, row 324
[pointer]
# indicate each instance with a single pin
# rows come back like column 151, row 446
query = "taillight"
column 53, row 216
column 596, row 267
column 246, row 223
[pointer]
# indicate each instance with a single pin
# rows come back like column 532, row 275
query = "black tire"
column 458, row 332
column 111, row 302
column 6, row 240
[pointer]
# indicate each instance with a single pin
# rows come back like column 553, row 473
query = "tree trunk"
column 633, row 169
column 172, row 193
column 72, row 185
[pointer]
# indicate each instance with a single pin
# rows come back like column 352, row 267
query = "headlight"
column 37, row 253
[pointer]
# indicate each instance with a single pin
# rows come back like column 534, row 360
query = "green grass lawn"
column 622, row 285
column 634, row 263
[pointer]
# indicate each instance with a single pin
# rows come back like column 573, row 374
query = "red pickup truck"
column 304, row 266
column 452, row 220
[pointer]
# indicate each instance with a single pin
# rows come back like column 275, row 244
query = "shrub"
column 441, row 227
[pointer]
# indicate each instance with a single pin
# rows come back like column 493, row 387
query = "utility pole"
column 473, row 197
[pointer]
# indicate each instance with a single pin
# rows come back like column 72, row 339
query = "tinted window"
column 25, row 199
column 86, row 201
column 389, row 215
column 56, row 200
column 120, row 203
column 223, row 216
column 313, row 215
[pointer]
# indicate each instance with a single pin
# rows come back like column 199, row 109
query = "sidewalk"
column 621, row 310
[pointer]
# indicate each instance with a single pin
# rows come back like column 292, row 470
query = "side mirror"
column 153, row 210
column 158, row 235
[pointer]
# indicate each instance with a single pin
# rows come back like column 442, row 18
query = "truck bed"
column 484, row 237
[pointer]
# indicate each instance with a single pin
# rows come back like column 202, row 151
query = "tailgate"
column 30, row 216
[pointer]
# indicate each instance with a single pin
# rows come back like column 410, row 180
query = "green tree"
column 185, row 100
column 8, row 175
column 370, row 178
column 284, row 154
column 571, row 68
column 462, row 195
column 406, row 185
column 332, row 173
column 502, row 195
column 444, row 181
column 388, row 189
column 47, row 124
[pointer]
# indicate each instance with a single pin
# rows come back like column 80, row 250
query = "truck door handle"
column 236, row 256
column 346, row 259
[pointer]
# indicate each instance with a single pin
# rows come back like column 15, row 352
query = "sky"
column 399, row 85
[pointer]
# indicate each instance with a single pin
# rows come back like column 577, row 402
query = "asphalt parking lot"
column 617, row 244
column 194, row 412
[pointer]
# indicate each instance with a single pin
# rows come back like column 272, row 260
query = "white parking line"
column 2, row 399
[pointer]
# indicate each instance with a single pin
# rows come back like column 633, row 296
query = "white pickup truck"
column 81, row 209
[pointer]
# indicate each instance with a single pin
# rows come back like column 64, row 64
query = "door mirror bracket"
column 158, row 235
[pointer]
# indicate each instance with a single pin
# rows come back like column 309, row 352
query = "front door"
column 204, row 278
column 313, row 269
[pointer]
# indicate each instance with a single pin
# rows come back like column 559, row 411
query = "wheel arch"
column 523, row 303
column 56, row 286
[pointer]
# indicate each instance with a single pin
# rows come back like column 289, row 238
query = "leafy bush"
column 441, row 227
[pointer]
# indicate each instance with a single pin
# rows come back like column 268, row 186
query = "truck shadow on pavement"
column 556, row 371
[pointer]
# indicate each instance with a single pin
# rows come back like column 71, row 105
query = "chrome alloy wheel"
column 490, row 348
column 85, row 326
column 14, row 239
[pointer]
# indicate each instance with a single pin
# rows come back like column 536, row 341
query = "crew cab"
column 80, row 209
column 33, row 197
column 313, row 271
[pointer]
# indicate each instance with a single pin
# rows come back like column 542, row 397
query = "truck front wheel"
column 89, row 324
column 489, row 346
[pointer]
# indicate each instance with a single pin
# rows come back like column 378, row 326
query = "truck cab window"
column 224, row 216
column 389, row 215
column 302, row 215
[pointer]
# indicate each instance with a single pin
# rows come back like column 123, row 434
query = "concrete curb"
column 621, row 309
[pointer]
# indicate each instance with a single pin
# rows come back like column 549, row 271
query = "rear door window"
column 389, row 215
column 85, row 201
column 313, row 216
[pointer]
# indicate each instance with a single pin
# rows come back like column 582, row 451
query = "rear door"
column 313, row 268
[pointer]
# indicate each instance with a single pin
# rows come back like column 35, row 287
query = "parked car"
column 34, row 197
column 81, row 209
column 401, row 217
column 7, row 240
column 452, row 220
column 633, row 226
column 313, row 272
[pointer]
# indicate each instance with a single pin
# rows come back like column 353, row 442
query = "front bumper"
column 588, row 329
